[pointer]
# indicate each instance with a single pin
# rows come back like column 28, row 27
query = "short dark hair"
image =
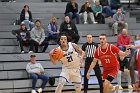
column 37, row 21
column 33, row 55
column 68, row 38
column 103, row 35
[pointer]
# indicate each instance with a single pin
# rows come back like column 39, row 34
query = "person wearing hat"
column 36, row 71
column 23, row 36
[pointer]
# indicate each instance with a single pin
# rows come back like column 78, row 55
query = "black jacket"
column 65, row 28
column 24, row 34
column 22, row 15
column 69, row 8
column 89, row 9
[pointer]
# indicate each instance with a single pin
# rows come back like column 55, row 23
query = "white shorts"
column 72, row 75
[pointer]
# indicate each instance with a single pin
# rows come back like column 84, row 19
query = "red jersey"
column 107, row 56
column 138, row 63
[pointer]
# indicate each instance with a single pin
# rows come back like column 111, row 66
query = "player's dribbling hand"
column 88, row 75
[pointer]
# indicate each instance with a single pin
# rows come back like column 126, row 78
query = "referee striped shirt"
column 89, row 49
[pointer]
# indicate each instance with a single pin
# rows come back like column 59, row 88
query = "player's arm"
column 51, row 54
column 123, row 54
column 91, row 67
column 79, row 50
column 132, row 66
column 132, row 46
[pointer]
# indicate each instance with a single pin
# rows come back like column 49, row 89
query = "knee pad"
column 78, row 87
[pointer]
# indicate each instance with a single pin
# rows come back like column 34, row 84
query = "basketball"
column 57, row 54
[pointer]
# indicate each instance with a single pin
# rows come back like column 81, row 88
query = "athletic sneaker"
column 39, row 90
column 85, row 23
column 120, row 87
column 33, row 91
column 130, row 87
column 115, row 88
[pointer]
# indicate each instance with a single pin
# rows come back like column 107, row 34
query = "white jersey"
column 71, row 58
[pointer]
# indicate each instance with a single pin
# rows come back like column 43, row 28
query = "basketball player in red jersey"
column 135, row 61
column 107, row 54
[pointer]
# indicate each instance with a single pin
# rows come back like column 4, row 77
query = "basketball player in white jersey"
column 71, row 61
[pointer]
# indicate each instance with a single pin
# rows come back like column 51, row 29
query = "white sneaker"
column 95, row 22
column 130, row 87
column 33, row 91
column 39, row 90
column 85, row 22
column 115, row 88
column 120, row 87
column 30, row 52
column 22, row 51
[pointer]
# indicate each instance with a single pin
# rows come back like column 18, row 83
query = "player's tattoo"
column 77, row 48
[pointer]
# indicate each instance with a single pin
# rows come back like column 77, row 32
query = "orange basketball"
column 57, row 54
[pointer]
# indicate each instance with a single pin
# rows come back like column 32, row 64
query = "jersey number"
column 69, row 58
column 107, row 60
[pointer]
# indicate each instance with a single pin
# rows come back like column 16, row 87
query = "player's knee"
column 78, row 87
column 62, row 82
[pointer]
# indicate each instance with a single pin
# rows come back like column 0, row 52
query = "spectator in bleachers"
column 119, row 21
column 97, row 10
column 123, row 40
column 36, row 71
column 23, row 36
column 72, row 11
column 38, row 37
column 124, row 67
column 53, row 29
column 137, row 39
column 26, row 17
column 87, row 10
column 107, row 12
column 70, row 29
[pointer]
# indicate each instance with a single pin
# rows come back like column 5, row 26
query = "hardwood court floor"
column 97, row 91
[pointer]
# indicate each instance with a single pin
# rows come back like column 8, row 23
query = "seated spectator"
column 137, row 39
column 87, row 10
column 53, row 29
column 70, row 29
column 38, row 37
column 72, row 11
column 124, row 67
column 97, row 10
column 26, row 17
column 123, row 40
column 36, row 71
column 23, row 36
column 107, row 12
column 119, row 20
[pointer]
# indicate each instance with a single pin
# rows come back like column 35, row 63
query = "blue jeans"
column 35, row 77
column 29, row 24
column 73, row 16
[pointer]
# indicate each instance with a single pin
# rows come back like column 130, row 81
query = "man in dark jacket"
column 70, row 29
column 72, row 10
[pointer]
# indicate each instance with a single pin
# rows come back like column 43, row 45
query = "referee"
column 89, row 47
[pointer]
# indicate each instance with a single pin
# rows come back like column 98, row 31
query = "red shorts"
column 113, row 71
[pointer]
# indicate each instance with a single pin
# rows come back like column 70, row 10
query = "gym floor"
column 97, row 91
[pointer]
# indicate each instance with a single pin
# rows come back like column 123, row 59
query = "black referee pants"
column 97, row 73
